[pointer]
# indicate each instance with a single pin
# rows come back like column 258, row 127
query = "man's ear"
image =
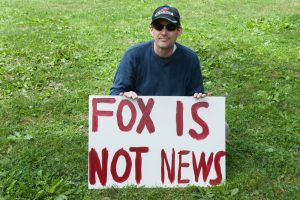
column 151, row 31
column 180, row 30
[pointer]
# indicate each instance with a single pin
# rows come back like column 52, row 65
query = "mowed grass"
column 54, row 54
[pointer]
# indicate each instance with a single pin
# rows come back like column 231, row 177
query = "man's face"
column 164, row 39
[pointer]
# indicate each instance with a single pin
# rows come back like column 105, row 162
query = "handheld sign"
column 156, row 141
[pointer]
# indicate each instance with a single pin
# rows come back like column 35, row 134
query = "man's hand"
column 130, row 95
column 201, row 95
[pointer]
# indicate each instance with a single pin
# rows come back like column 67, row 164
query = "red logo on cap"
column 165, row 8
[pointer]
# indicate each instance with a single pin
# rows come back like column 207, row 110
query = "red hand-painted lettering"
column 146, row 119
column 113, row 167
column 96, row 113
column 131, row 122
column 202, row 165
column 179, row 118
column 138, row 161
column 95, row 167
column 171, row 170
column 217, row 165
column 180, row 165
column 202, row 123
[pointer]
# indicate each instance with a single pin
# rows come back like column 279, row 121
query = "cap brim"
column 163, row 17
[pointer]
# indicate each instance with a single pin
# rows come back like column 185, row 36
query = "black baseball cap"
column 166, row 12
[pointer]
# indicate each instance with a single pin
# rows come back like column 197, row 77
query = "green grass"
column 54, row 54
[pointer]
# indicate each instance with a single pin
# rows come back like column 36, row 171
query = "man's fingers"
column 135, row 96
column 127, row 94
column 200, row 95
column 130, row 95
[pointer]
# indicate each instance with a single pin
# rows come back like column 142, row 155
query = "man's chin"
column 165, row 46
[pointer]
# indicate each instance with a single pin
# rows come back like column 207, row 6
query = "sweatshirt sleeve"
column 195, row 84
column 124, row 78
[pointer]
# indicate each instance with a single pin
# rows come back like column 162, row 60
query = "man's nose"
column 164, row 30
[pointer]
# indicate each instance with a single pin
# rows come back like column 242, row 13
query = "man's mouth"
column 163, row 39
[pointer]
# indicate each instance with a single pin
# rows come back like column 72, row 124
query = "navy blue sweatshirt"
column 147, row 74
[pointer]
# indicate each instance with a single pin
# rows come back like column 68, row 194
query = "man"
column 161, row 67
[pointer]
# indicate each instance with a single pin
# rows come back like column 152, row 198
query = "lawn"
column 54, row 54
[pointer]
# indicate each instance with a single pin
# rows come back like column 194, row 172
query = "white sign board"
column 156, row 141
